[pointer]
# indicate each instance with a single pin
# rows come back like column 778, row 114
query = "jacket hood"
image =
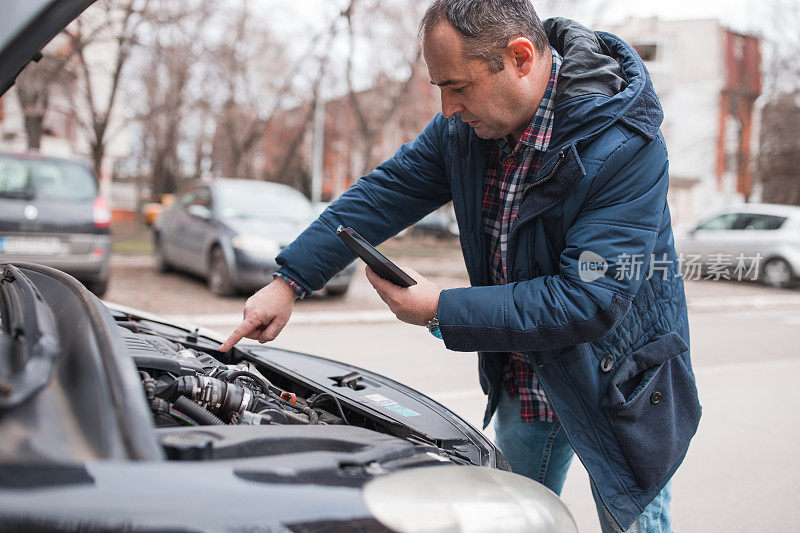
column 602, row 81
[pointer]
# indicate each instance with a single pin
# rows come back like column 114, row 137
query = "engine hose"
column 293, row 418
column 262, row 383
column 312, row 415
column 198, row 414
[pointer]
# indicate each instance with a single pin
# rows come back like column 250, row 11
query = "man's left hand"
column 416, row 304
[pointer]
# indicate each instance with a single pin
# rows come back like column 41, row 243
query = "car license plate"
column 30, row 245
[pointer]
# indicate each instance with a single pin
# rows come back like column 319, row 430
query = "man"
column 549, row 147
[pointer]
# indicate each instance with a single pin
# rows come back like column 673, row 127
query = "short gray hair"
column 487, row 26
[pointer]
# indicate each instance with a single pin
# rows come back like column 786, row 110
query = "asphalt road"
column 741, row 470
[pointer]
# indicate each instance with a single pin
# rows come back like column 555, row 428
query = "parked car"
column 51, row 213
column 766, row 233
column 115, row 419
column 230, row 231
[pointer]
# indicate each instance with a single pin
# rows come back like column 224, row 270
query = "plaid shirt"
column 508, row 172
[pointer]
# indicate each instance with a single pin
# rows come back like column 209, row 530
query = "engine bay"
column 185, row 386
column 193, row 389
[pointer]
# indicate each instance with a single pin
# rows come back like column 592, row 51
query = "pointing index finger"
column 247, row 326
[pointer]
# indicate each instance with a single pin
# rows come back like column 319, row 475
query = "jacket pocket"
column 653, row 407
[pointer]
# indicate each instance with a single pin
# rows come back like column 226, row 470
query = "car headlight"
column 465, row 499
column 256, row 244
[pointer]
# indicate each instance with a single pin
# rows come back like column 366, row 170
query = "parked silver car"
column 230, row 230
column 762, row 238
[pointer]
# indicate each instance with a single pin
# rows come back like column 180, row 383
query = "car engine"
column 185, row 386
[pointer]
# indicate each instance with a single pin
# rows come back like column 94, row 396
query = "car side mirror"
column 199, row 211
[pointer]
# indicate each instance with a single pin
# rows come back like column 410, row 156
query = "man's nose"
column 450, row 106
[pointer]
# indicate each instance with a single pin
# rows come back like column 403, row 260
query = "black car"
column 230, row 231
column 51, row 213
column 111, row 419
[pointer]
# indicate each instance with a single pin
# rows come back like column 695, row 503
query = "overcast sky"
column 741, row 15
column 299, row 19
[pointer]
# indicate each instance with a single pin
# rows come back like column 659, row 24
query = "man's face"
column 490, row 102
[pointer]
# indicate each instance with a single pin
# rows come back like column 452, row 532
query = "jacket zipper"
column 548, row 177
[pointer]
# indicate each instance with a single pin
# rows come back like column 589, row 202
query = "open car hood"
column 63, row 351
column 112, row 420
column 26, row 27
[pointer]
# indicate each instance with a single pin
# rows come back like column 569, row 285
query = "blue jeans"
column 540, row 451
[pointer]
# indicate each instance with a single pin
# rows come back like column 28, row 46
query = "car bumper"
column 83, row 256
column 250, row 272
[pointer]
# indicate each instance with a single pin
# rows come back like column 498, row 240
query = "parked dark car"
column 51, row 213
column 230, row 231
column 113, row 419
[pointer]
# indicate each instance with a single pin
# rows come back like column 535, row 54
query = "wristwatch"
column 433, row 327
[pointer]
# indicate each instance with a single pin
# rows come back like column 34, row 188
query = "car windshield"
column 254, row 200
column 45, row 178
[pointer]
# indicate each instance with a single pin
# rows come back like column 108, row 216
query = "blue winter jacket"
column 607, row 336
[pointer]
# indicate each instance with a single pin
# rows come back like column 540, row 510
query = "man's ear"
column 521, row 53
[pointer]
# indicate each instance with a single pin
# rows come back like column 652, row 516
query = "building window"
column 646, row 51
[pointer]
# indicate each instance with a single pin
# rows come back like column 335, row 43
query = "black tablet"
column 376, row 260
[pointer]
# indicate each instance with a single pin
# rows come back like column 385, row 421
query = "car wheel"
column 219, row 279
column 162, row 265
column 98, row 288
column 337, row 291
column 776, row 273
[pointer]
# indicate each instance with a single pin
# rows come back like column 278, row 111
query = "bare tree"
column 779, row 142
column 258, row 82
column 779, row 156
column 33, row 88
column 253, row 78
column 174, row 55
column 373, row 109
column 781, row 42
column 113, row 28
column 52, row 73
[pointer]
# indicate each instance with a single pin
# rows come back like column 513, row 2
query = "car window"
column 45, row 178
column 186, row 198
column 754, row 221
column 255, row 200
column 721, row 222
column 199, row 196
column 202, row 197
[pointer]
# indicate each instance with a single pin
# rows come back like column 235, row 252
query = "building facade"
column 708, row 79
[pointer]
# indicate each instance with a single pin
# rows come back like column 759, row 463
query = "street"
column 741, row 468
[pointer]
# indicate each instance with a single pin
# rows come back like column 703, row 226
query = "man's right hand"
column 265, row 314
